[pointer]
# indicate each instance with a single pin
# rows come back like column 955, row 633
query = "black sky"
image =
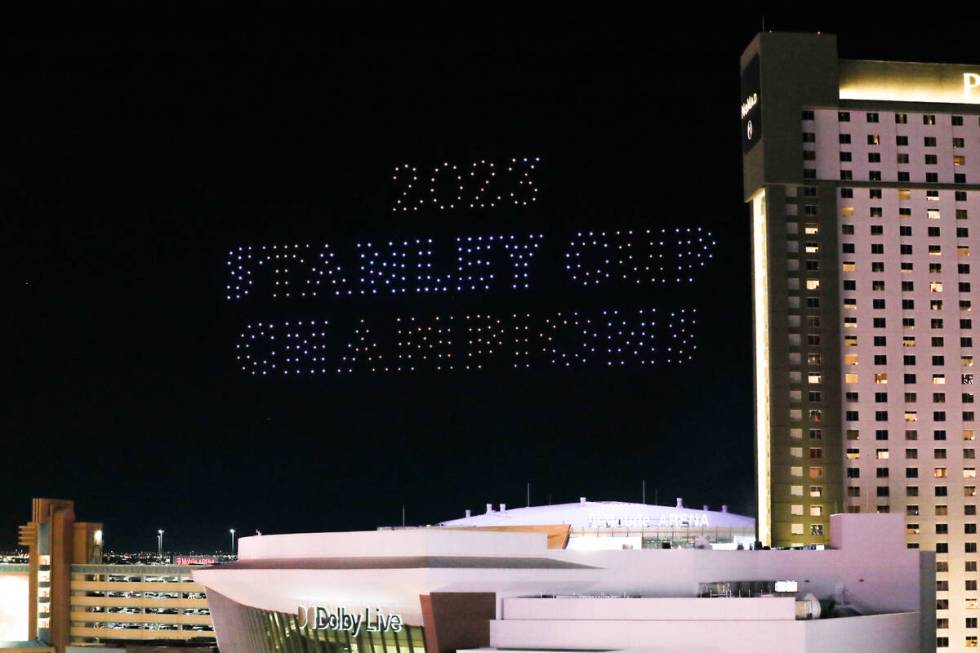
column 134, row 158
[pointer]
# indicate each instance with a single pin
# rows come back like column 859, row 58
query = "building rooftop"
column 590, row 515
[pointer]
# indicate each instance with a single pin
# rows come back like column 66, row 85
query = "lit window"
column 939, row 472
column 796, row 471
column 911, row 416
column 796, row 529
column 969, row 472
column 796, row 509
column 848, row 266
column 851, row 377
column 813, row 379
column 939, row 379
column 881, row 454
column 935, row 286
column 881, row 378
column 796, row 490
column 812, row 284
column 932, row 214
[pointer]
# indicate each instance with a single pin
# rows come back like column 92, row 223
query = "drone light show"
column 444, row 343
column 324, row 276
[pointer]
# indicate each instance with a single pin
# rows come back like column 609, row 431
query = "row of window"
column 875, row 175
column 970, row 642
column 942, row 510
column 906, row 249
column 906, row 266
column 910, row 416
column 903, row 231
column 900, row 118
column 854, row 492
column 969, row 435
column 900, row 141
column 885, row 454
column 875, row 157
column 910, row 472
column 881, row 378
column 905, row 194
column 909, row 397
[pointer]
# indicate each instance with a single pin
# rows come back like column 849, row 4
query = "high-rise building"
column 863, row 179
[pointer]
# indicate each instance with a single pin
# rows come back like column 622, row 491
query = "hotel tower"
column 863, row 180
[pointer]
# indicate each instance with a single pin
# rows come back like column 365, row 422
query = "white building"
column 864, row 182
column 622, row 525
column 452, row 589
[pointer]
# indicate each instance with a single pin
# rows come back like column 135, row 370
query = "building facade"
column 863, row 180
column 65, row 599
column 439, row 589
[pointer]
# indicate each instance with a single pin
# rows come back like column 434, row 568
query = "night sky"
column 134, row 160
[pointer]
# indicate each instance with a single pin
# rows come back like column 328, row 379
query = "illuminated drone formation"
column 479, row 185
column 611, row 338
column 656, row 256
column 474, row 263
column 397, row 267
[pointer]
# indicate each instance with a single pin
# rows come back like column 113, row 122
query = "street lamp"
column 232, row 531
column 160, row 543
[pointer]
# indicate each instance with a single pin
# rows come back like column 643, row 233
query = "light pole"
column 232, row 531
column 160, row 542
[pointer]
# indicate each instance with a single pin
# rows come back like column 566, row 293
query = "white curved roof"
column 586, row 515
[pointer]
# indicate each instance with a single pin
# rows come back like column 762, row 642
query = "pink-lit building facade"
column 863, row 179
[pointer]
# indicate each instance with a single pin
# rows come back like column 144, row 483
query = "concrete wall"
column 407, row 542
column 616, row 609
column 896, row 633
column 14, row 601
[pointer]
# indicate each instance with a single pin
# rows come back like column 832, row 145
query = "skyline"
column 143, row 164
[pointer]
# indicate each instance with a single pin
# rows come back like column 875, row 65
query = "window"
column 928, row 119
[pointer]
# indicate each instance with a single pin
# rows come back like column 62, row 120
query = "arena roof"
column 591, row 515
